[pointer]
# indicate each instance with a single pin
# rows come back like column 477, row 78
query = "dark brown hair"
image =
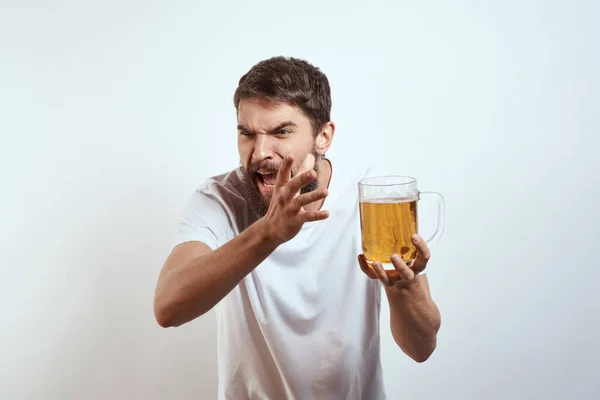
column 292, row 81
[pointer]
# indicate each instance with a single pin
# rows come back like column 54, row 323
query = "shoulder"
column 352, row 169
column 221, row 195
column 222, row 187
column 216, row 193
column 347, row 172
column 224, row 190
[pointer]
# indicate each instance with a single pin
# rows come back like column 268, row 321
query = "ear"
column 324, row 138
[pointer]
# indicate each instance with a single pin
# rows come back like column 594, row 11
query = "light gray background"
column 112, row 112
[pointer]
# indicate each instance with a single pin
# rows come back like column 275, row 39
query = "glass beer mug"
column 389, row 218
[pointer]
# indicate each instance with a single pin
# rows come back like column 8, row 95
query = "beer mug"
column 389, row 218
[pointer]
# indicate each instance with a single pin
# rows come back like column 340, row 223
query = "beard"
column 259, row 203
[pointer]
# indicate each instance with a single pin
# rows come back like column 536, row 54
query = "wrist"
column 266, row 235
column 409, row 288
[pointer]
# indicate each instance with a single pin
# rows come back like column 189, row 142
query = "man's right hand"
column 194, row 278
column 286, row 213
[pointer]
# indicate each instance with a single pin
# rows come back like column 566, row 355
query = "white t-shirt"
column 304, row 324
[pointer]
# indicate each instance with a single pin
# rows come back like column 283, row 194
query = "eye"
column 282, row 132
column 244, row 133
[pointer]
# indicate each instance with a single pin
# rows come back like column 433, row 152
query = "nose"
column 264, row 147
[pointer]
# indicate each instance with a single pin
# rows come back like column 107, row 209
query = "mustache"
column 266, row 166
column 271, row 167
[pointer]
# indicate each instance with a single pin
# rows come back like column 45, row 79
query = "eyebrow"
column 277, row 128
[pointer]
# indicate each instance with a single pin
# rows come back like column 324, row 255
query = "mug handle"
column 441, row 215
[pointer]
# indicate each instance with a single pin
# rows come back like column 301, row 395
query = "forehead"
column 262, row 114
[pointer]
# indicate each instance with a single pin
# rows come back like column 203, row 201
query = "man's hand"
column 286, row 213
column 402, row 274
column 414, row 317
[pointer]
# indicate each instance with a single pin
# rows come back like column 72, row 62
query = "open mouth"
column 267, row 179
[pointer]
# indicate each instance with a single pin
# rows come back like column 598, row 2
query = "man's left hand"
column 402, row 274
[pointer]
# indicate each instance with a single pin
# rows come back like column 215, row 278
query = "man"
column 274, row 244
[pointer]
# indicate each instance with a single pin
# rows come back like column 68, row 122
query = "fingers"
column 404, row 272
column 401, row 272
column 422, row 248
column 381, row 274
column 311, row 197
column 362, row 261
column 285, row 170
column 423, row 254
column 304, row 175
column 308, row 164
column 312, row 216
column 299, row 181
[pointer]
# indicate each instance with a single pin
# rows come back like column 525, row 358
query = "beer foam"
column 389, row 199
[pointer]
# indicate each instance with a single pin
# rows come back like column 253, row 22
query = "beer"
column 387, row 225
column 388, row 219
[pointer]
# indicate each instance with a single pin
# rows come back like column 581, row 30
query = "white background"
column 112, row 112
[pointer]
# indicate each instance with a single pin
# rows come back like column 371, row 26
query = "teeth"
column 264, row 174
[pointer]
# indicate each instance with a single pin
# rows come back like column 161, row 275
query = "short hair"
column 292, row 81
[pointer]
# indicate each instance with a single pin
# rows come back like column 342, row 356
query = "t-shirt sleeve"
column 203, row 219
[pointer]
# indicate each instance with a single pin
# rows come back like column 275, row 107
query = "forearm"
column 414, row 318
column 190, row 290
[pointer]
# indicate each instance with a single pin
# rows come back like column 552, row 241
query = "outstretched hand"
column 402, row 274
column 286, row 213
